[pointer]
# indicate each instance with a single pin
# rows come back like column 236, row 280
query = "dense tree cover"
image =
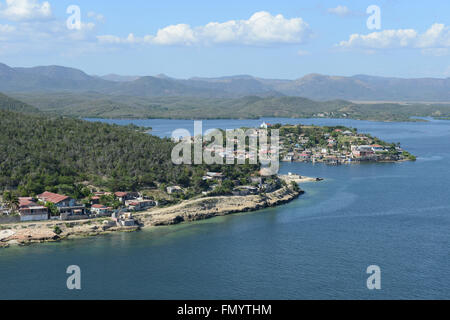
column 57, row 154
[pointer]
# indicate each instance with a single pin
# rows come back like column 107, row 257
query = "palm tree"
column 11, row 200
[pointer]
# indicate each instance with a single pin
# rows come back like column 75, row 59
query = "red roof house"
column 52, row 197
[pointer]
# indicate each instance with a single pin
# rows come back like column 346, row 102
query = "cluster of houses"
column 67, row 208
column 258, row 185
column 241, row 154
column 299, row 149
column 33, row 209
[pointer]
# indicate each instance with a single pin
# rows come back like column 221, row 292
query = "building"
column 289, row 157
column 100, row 209
column 124, row 196
column 124, row 219
column 363, row 153
column 245, row 191
column 174, row 190
column 140, row 205
column 215, row 175
column 95, row 200
column 66, row 205
column 31, row 211
column 265, row 125
column 121, row 196
column 377, row 148
column 102, row 193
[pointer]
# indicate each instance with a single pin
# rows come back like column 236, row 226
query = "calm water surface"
column 396, row 216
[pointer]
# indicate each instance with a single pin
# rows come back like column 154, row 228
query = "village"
column 328, row 145
column 334, row 146
column 53, row 206
column 119, row 206
column 313, row 144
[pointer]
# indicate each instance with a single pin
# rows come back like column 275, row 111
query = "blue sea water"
column 394, row 215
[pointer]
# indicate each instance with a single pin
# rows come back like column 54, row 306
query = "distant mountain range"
column 313, row 86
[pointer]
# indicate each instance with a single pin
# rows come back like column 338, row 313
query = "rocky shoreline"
column 206, row 208
column 187, row 211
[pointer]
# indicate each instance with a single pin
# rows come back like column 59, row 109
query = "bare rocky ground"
column 206, row 208
column 191, row 210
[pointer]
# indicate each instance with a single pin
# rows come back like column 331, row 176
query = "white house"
column 265, row 125
column 99, row 209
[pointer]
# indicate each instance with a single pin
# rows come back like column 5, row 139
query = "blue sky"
column 271, row 39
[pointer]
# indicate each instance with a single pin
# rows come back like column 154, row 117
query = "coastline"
column 188, row 211
column 206, row 208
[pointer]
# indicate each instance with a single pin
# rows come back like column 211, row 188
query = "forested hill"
column 7, row 103
column 40, row 153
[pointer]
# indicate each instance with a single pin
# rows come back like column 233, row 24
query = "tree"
column 11, row 200
column 52, row 208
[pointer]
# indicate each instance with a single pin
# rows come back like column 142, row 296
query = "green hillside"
column 95, row 105
column 7, row 103
column 53, row 153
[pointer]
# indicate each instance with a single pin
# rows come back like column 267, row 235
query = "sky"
column 281, row 39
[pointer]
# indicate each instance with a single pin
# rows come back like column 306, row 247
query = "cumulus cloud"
column 22, row 10
column 383, row 39
column 339, row 10
column 436, row 38
column 176, row 34
column 262, row 28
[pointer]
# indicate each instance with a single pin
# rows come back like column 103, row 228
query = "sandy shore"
column 190, row 210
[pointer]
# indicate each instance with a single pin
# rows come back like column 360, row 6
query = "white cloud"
column 97, row 16
column 20, row 10
column 339, row 10
column 437, row 37
column 176, row 34
column 261, row 29
column 382, row 39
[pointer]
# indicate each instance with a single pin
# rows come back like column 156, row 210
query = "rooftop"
column 52, row 197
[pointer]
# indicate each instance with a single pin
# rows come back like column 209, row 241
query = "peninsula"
column 62, row 178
